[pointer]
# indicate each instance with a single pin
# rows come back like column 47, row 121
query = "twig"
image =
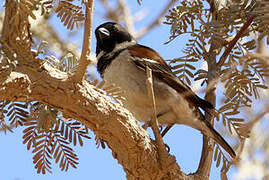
column 234, row 41
column 260, row 56
column 139, row 2
column 6, row 127
column 86, row 47
column 154, row 125
column 154, row 23
column 249, row 125
column 129, row 20
column 166, row 130
column 126, row 13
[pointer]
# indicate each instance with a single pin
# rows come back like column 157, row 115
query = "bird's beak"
column 103, row 32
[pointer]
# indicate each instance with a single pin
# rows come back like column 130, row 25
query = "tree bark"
column 24, row 76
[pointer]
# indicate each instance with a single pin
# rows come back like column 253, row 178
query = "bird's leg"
column 166, row 129
column 149, row 123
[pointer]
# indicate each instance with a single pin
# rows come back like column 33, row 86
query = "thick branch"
column 208, row 143
column 86, row 47
column 130, row 143
column 39, row 81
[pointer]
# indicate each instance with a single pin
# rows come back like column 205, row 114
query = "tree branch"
column 37, row 80
column 208, row 143
column 86, row 46
column 130, row 21
column 154, row 23
column 130, row 144
column 235, row 39
column 126, row 16
column 162, row 153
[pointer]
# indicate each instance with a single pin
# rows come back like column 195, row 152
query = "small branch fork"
column 154, row 124
column 86, row 47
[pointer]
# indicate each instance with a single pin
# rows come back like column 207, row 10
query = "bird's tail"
column 219, row 139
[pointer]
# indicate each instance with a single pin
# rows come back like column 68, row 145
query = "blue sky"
column 185, row 143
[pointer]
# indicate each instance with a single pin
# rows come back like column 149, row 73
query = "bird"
column 122, row 61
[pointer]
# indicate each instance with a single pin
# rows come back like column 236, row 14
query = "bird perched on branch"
column 123, row 62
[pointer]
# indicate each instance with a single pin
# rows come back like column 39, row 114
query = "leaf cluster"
column 50, row 136
column 70, row 14
column 16, row 114
column 68, row 63
column 210, row 30
column 262, row 21
column 188, row 18
column 242, row 81
column 220, row 157
column 28, row 6
column 228, row 113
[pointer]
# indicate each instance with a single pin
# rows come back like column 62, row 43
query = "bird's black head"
column 108, row 35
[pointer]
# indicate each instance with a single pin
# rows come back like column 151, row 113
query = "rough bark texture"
column 24, row 76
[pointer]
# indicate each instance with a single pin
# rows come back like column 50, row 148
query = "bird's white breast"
column 124, row 73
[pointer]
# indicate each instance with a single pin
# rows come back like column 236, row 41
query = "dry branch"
column 208, row 144
column 31, row 78
column 112, row 123
column 155, row 22
column 86, row 47
column 130, row 20
column 162, row 153
column 235, row 39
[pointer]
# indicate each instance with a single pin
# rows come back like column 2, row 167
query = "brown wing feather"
column 164, row 73
column 146, row 52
